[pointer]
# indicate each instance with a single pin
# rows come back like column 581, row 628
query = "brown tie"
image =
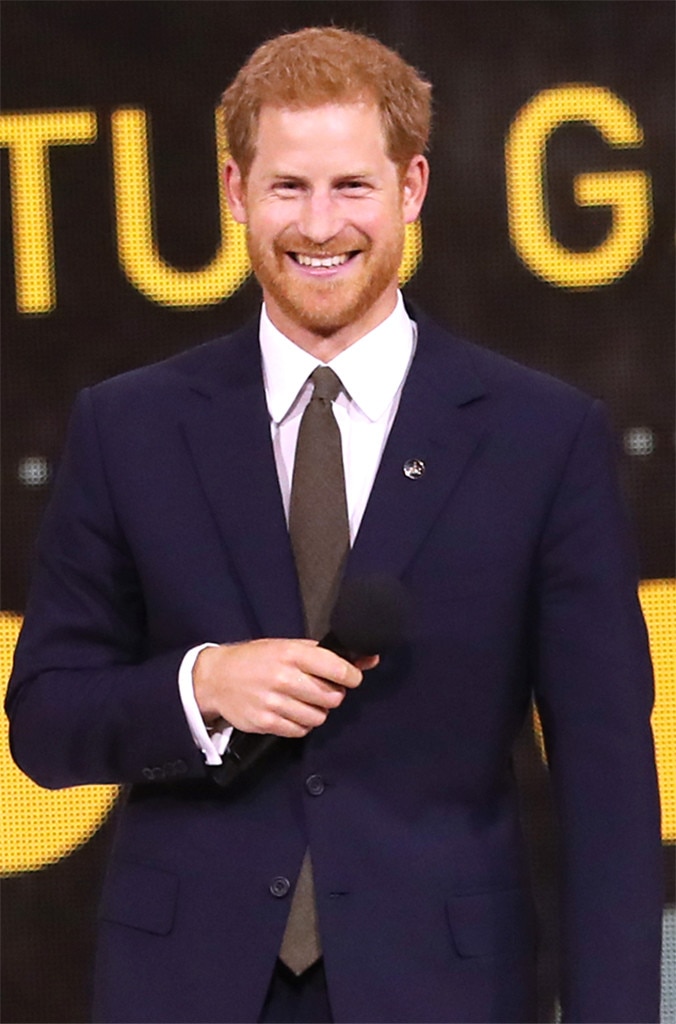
column 320, row 537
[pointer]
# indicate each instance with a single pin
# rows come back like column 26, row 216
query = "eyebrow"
column 342, row 176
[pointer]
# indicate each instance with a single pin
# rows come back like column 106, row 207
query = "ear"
column 235, row 191
column 414, row 187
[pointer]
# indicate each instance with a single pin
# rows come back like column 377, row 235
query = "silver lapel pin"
column 414, row 468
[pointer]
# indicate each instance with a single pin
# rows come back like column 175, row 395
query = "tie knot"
column 327, row 384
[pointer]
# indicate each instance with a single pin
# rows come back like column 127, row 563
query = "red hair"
column 328, row 65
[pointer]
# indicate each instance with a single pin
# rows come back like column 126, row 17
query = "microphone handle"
column 244, row 749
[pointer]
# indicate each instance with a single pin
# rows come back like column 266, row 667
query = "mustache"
column 291, row 240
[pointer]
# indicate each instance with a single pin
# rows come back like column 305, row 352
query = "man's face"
column 325, row 210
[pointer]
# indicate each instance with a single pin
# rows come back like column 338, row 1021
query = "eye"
column 287, row 187
column 354, row 187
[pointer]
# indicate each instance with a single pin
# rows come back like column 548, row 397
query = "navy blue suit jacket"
column 166, row 529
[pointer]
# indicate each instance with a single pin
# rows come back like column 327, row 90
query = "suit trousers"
column 297, row 1000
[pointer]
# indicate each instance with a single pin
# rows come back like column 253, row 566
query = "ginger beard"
column 324, row 305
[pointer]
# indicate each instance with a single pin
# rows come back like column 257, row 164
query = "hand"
column 278, row 687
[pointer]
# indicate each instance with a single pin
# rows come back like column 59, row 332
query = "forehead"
column 338, row 131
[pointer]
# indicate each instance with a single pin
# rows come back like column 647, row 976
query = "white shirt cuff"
column 213, row 741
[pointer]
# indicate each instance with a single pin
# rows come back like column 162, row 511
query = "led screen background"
column 547, row 236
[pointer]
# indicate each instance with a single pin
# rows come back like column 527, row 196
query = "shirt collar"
column 372, row 369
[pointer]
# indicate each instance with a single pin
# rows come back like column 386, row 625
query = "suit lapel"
column 228, row 433
column 432, row 426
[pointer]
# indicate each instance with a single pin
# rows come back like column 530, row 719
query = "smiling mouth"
column 322, row 261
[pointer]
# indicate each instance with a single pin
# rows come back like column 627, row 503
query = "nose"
column 320, row 219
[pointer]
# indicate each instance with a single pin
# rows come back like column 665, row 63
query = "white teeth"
column 315, row 261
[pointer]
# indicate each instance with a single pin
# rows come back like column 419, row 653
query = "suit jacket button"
column 315, row 785
column 280, row 886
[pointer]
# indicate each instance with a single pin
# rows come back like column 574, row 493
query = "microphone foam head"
column 368, row 617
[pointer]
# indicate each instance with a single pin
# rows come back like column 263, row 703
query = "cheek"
column 375, row 226
column 382, row 221
column 265, row 225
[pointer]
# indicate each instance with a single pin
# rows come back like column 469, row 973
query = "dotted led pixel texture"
column 626, row 192
column 658, row 599
column 40, row 826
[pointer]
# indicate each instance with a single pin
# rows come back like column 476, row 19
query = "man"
column 174, row 602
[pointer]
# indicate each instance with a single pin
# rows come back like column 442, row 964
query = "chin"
column 328, row 312
column 322, row 322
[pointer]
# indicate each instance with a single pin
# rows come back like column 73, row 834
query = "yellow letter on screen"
column 40, row 826
column 626, row 192
column 28, row 137
column 136, row 242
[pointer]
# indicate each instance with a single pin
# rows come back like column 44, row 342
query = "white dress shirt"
column 372, row 371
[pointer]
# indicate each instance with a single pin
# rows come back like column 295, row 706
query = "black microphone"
column 368, row 618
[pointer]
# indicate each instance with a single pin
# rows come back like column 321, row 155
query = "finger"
column 286, row 729
column 316, row 691
column 323, row 664
column 303, row 716
column 367, row 662
column 292, row 721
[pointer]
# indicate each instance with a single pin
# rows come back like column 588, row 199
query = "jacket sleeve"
column 594, row 693
column 87, row 701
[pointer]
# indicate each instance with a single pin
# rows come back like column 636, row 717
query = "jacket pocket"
column 140, row 896
column 491, row 923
